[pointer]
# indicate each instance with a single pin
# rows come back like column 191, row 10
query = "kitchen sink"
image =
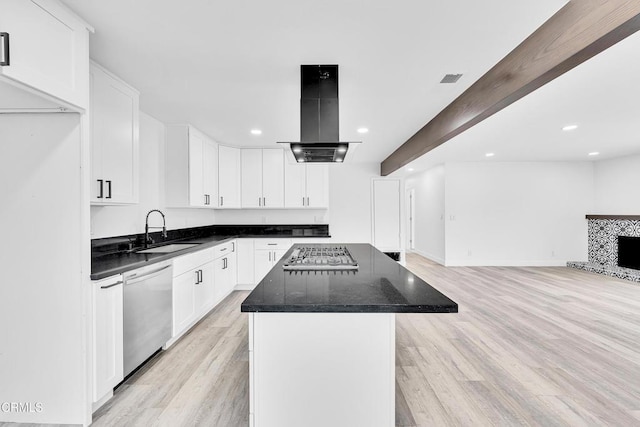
column 167, row 249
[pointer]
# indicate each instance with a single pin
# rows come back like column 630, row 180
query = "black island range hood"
column 319, row 117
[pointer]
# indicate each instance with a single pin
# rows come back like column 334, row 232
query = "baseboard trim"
column 505, row 263
column 429, row 256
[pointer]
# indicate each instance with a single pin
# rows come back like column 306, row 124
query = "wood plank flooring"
column 530, row 346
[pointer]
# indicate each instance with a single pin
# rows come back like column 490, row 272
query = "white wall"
column 517, row 213
column 616, row 186
column 109, row 221
column 429, row 212
column 42, row 290
column 350, row 201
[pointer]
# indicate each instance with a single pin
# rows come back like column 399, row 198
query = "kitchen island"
column 322, row 342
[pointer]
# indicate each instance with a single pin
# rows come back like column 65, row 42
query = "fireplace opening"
column 629, row 252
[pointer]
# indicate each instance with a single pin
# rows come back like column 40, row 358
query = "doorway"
column 411, row 194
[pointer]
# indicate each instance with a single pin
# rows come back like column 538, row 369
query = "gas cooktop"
column 320, row 257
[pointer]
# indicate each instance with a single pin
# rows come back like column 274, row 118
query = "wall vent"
column 451, row 78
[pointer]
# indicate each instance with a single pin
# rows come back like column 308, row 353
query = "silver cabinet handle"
column 272, row 244
column 100, row 189
column 233, row 246
column 108, row 188
column 111, row 285
column 259, row 201
column 134, row 278
column 307, row 201
column 221, row 201
column 269, row 255
column 223, row 249
column 4, row 47
column 264, row 202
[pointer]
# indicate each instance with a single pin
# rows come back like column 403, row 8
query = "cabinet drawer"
column 275, row 244
column 224, row 249
column 189, row 262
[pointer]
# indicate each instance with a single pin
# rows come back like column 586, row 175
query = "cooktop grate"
column 320, row 258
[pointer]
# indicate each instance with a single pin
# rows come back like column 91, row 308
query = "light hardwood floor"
column 530, row 346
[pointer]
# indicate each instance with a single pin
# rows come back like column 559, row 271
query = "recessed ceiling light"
column 594, row 153
column 410, row 169
column 296, row 149
column 256, row 132
column 490, row 154
column 570, row 127
column 339, row 160
column 342, row 150
column 363, row 130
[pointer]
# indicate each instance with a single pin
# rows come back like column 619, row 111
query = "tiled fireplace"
column 603, row 245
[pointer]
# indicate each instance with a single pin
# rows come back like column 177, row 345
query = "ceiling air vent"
column 451, row 78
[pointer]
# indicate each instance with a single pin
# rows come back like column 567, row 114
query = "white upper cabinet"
column 273, row 178
column 306, row 186
column 191, row 168
column 251, row 187
column 228, row 177
column 262, row 178
column 114, row 139
column 210, row 173
column 48, row 52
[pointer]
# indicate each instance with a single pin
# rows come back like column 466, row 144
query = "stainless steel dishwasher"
column 147, row 312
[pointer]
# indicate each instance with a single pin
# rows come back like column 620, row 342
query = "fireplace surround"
column 603, row 234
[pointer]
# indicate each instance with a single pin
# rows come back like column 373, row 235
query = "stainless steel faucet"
column 147, row 239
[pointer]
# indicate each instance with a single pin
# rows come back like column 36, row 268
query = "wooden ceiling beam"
column 577, row 32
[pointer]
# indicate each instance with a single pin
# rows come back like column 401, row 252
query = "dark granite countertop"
column 109, row 258
column 121, row 262
column 380, row 285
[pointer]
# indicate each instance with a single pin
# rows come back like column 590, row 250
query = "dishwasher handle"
column 135, row 279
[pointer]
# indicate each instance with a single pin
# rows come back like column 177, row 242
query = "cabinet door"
column 205, row 290
column 210, row 173
column 196, row 169
column 183, row 301
column 49, row 49
column 225, row 276
column 294, row 185
column 263, row 262
column 273, row 178
column 107, row 336
column 251, row 186
column 228, row 177
column 232, row 272
column 115, row 139
column 278, row 254
column 245, row 262
column 317, row 186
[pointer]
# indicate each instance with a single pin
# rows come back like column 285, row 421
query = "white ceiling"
column 601, row 95
column 229, row 67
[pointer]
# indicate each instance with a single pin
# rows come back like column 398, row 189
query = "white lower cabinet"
column 205, row 290
column 225, row 271
column 245, row 261
column 267, row 253
column 200, row 281
column 183, row 301
column 107, row 336
column 193, row 288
